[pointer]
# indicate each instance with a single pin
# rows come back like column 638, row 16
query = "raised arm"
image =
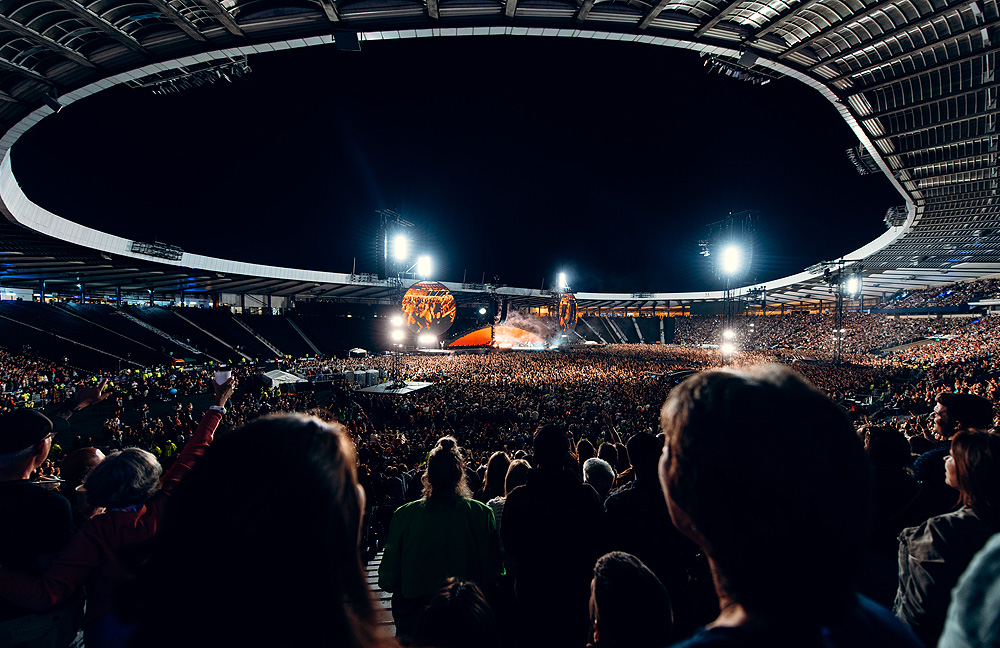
column 202, row 437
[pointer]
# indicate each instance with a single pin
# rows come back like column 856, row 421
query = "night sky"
column 517, row 157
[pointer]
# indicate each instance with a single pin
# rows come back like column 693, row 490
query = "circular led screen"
column 567, row 312
column 429, row 307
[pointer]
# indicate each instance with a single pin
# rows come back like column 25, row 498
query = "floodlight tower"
column 392, row 244
column 730, row 246
column 845, row 283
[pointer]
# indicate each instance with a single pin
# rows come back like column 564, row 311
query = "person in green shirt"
column 444, row 534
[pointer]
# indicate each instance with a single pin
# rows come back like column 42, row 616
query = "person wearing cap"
column 35, row 523
column 109, row 546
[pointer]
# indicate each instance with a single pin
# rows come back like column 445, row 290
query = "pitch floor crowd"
column 568, row 498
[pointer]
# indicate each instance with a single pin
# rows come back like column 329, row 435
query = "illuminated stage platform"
column 386, row 388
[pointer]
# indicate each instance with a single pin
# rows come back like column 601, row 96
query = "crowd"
column 862, row 332
column 953, row 294
column 529, row 479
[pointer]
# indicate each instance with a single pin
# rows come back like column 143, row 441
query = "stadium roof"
column 915, row 80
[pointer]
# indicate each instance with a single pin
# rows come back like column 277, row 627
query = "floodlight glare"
column 427, row 340
column 482, row 311
column 400, row 247
column 852, row 285
column 397, row 321
column 424, row 266
column 731, row 260
column 563, row 284
column 728, row 334
column 397, row 335
column 728, row 348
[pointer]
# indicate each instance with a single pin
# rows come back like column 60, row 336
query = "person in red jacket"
column 107, row 550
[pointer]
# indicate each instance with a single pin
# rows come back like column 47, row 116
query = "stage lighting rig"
column 195, row 75
column 895, row 216
column 742, row 69
column 862, row 160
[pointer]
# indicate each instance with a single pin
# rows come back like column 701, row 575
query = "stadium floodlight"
column 424, row 266
column 482, row 311
column 426, row 340
column 852, row 286
column 728, row 348
column 397, row 335
column 728, row 334
column 562, row 282
column 400, row 247
column 397, row 320
column 731, row 260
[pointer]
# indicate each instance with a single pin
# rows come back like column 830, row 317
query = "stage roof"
column 916, row 80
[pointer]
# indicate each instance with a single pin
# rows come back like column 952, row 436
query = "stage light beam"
column 728, row 349
column 397, row 335
column 397, row 321
column 427, row 340
column 728, row 334
column 562, row 282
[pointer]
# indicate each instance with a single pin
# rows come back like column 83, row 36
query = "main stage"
column 408, row 387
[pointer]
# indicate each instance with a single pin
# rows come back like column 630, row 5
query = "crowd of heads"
column 761, row 467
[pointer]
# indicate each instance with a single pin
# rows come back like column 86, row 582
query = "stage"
column 387, row 388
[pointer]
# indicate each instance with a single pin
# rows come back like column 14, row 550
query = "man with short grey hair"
column 599, row 474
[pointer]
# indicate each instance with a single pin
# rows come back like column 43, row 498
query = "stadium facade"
column 915, row 81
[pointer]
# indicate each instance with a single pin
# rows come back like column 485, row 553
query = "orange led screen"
column 428, row 307
column 567, row 312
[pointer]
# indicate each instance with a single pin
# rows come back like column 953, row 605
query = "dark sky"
column 517, row 157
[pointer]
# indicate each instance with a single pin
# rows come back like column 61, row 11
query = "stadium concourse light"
column 397, row 335
column 424, row 266
column 400, row 247
column 731, row 261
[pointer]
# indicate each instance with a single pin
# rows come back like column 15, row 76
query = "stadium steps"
column 383, row 599
column 278, row 331
column 625, row 326
column 608, row 331
column 67, row 309
column 170, row 322
column 214, row 337
column 114, row 320
column 222, row 324
column 164, row 335
column 593, row 331
column 50, row 345
column 260, row 338
column 613, row 329
column 307, row 340
column 638, row 332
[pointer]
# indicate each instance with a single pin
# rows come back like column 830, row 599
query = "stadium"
column 119, row 342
